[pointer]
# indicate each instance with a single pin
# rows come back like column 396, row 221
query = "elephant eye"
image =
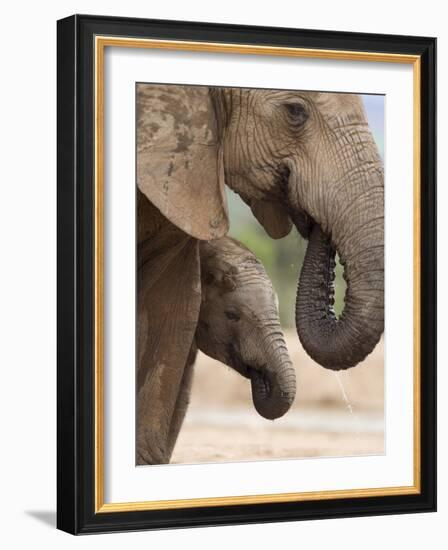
column 232, row 315
column 209, row 278
column 297, row 113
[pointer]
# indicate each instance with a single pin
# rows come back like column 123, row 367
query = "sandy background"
column 334, row 414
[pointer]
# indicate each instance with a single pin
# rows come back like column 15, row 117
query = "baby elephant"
column 239, row 324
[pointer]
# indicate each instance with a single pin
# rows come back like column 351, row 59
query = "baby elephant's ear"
column 272, row 217
column 179, row 163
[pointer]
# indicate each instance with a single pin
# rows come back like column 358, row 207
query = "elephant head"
column 239, row 324
column 309, row 159
column 296, row 158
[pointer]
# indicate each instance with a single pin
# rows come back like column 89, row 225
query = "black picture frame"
column 76, row 512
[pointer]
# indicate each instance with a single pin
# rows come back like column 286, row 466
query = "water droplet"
column 343, row 392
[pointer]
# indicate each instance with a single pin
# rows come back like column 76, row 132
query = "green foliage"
column 340, row 287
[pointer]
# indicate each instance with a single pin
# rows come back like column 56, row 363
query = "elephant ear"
column 179, row 161
column 272, row 217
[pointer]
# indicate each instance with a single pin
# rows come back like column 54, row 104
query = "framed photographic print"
column 246, row 274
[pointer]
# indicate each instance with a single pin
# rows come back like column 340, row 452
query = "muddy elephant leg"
column 156, row 408
column 182, row 402
column 168, row 308
column 161, row 435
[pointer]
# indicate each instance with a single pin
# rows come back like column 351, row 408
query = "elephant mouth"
column 298, row 215
column 260, row 382
column 257, row 376
column 246, row 370
column 258, row 373
column 254, row 373
column 303, row 222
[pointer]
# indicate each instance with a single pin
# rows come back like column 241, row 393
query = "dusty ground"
column 335, row 414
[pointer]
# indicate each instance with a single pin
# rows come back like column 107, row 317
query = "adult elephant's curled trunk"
column 341, row 343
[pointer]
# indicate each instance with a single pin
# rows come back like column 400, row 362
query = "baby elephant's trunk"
column 274, row 386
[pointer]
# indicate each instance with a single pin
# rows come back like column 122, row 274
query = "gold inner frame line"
column 101, row 42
